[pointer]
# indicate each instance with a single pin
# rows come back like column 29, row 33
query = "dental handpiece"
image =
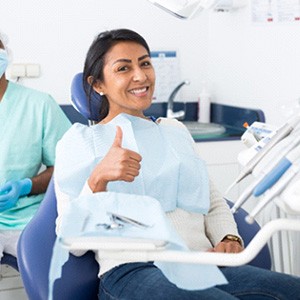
column 284, row 164
column 246, row 194
column 282, row 132
column 264, row 172
column 274, row 191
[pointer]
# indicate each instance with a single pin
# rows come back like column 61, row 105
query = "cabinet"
column 222, row 164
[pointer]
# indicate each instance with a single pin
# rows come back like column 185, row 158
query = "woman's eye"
column 122, row 69
column 146, row 63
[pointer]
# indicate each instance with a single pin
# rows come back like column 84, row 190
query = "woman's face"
column 129, row 79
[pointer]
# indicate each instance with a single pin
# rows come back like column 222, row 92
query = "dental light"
column 187, row 9
column 183, row 9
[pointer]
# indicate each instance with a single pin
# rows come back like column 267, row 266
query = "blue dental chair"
column 79, row 276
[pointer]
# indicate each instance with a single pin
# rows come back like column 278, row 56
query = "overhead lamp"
column 187, row 9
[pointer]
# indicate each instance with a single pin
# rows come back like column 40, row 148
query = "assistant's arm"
column 12, row 190
column 41, row 181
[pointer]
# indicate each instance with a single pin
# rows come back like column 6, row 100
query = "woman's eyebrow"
column 122, row 60
column 129, row 60
column 143, row 57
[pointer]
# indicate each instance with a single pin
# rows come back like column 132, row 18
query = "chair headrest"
column 89, row 109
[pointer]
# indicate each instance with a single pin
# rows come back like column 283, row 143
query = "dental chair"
column 79, row 275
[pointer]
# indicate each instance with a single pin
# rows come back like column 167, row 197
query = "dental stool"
column 10, row 260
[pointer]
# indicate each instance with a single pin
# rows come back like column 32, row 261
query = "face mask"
column 3, row 61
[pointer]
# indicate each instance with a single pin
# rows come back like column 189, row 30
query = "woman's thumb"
column 118, row 138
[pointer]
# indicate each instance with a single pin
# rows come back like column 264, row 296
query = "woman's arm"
column 219, row 223
column 118, row 164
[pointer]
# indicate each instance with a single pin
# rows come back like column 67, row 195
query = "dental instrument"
column 263, row 173
column 252, row 131
column 274, row 191
column 284, row 164
column 119, row 218
column 282, row 132
column 256, row 132
column 119, row 221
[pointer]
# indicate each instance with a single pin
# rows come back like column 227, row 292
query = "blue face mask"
column 3, row 61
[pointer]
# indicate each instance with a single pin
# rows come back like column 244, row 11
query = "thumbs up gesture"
column 118, row 164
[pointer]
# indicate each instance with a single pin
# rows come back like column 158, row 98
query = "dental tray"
column 112, row 243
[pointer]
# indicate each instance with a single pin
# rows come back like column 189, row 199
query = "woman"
column 127, row 152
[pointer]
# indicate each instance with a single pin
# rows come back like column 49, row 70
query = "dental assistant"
column 128, row 152
column 31, row 123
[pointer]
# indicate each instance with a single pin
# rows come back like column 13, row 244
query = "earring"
column 101, row 93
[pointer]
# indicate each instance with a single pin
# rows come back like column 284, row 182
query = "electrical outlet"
column 16, row 71
column 32, row 70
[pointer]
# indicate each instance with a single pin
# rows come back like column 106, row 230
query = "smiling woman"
column 129, row 80
column 130, row 77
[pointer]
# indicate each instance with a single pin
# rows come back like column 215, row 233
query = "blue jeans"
column 144, row 281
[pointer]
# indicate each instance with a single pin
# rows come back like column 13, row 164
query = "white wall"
column 56, row 34
column 247, row 64
column 252, row 64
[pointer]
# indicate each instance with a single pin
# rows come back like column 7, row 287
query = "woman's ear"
column 95, row 84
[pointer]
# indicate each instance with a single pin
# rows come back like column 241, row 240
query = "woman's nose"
column 139, row 75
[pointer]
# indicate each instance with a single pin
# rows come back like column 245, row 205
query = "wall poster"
column 275, row 11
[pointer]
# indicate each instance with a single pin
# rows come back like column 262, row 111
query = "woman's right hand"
column 118, row 164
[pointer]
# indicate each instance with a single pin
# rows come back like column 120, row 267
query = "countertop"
column 231, row 117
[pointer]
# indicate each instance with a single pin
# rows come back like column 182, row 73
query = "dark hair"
column 95, row 58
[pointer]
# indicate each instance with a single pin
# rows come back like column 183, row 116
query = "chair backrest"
column 79, row 275
column 89, row 109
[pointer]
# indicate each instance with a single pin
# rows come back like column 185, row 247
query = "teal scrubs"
column 31, row 123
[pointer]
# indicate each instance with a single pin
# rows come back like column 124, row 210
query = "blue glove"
column 11, row 191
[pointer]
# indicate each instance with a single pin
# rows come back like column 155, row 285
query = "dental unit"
column 264, row 172
column 271, row 178
column 270, row 142
column 289, row 198
column 274, row 191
